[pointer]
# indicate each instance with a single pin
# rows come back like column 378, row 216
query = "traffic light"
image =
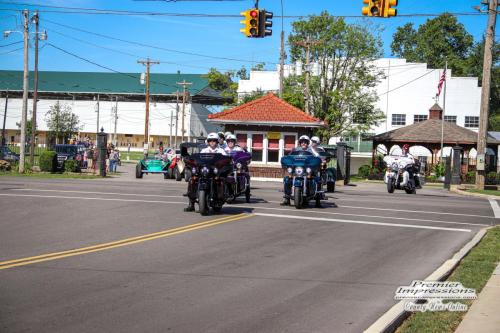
column 373, row 8
column 265, row 23
column 388, row 10
column 250, row 22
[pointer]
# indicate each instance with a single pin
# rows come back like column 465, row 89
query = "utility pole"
column 485, row 95
column 307, row 44
column 176, row 116
column 35, row 18
column 282, row 56
column 116, row 119
column 22, row 149
column 4, row 141
column 97, row 131
column 171, row 124
column 148, row 64
column 183, row 84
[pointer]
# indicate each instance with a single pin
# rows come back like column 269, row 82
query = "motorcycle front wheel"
column 390, row 185
column 297, row 197
column 203, row 202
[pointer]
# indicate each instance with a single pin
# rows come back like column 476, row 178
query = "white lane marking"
column 361, row 222
column 495, row 207
column 361, row 215
column 94, row 192
column 89, row 198
column 407, row 211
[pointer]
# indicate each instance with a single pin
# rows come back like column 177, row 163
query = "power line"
column 153, row 46
column 407, row 83
column 5, row 45
column 11, row 51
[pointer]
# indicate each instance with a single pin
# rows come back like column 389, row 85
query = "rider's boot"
column 190, row 207
column 286, row 202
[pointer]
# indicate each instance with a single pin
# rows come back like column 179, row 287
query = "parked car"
column 8, row 155
column 67, row 152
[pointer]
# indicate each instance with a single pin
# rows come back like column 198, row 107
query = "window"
column 289, row 143
column 451, row 119
column 419, row 117
column 273, row 150
column 398, row 119
column 257, row 146
column 241, row 140
column 471, row 121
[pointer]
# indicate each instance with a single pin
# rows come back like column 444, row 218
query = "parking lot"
column 121, row 255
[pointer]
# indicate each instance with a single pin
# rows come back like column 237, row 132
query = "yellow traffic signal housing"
column 250, row 22
column 388, row 10
column 374, row 8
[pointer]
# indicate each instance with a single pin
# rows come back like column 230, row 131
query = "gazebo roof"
column 267, row 110
column 429, row 131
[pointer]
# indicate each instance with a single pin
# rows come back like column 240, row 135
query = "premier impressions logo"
column 429, row 295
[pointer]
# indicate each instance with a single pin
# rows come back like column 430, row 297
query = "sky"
column 215, row 42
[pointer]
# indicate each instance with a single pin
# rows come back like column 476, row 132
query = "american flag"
column 441, row 81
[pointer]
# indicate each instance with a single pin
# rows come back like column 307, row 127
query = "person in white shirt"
column 222, row 142
column 231, row 144
column 213, row 145
column 314, row 148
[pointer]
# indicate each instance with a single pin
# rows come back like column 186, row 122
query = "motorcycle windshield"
column 209, row 159
column 241, row 157
column 302, row 160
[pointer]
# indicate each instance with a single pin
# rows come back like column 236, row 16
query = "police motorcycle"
column 239, row 180
column 402, row 173
column 303, row 176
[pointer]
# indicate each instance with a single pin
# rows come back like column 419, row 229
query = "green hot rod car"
column 158, row 164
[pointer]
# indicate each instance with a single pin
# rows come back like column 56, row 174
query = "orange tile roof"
column 268, row 108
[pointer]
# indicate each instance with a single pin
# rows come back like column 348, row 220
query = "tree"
column 436, row 41
column 343, row 90
column 61, row 122
column 223, row 83
column 251, row 96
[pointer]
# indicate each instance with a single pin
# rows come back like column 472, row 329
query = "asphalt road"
column 255, row 267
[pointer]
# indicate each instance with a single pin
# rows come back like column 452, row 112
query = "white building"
column 405, row 94
column 81, row 92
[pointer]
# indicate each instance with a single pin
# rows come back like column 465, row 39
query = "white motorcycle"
column 402, row 174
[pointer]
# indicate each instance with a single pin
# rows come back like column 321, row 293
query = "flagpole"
column 442, row 115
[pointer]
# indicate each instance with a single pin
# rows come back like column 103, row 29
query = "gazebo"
column 427, row 134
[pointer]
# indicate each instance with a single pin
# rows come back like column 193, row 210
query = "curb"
column 470, row 194
column 393, row 318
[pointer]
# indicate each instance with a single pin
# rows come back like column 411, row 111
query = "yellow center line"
column 120, row 243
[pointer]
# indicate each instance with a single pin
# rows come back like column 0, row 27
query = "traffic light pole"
column 24, row 115
column 282, row 55
column 485, row 95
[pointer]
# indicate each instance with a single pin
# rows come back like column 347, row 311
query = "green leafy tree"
column 251, row 96
column 223, row 83
column 61, row 122
column 436, row 41
column 343, row 90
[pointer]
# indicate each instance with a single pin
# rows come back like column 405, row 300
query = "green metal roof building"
column 86, row 85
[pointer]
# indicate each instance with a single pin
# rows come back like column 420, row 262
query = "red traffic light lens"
column 253, row 13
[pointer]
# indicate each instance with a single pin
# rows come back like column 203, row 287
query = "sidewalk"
column 483, row 316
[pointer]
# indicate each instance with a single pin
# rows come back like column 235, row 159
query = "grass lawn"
column 50, row 175
column 473, row 272
column 487, row 192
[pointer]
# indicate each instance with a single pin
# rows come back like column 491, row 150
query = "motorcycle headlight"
column 216, row 171
column 204, row 170
column 238, row 165
column 308, row 170
column 193, row 170
column 299, row 171
column 289, row 170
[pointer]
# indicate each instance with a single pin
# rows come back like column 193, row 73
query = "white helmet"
column 212, row 136
column 231, row 137
column 304, row 138
column 227, row 134
column 315, row 139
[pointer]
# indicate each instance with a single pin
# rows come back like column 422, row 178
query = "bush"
column 4, row 165
column 364, row 171
column 470, row 177
column 439, row 169
column 71, row 166
column 48, row 161
column 431, row 179
column 491, row 178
